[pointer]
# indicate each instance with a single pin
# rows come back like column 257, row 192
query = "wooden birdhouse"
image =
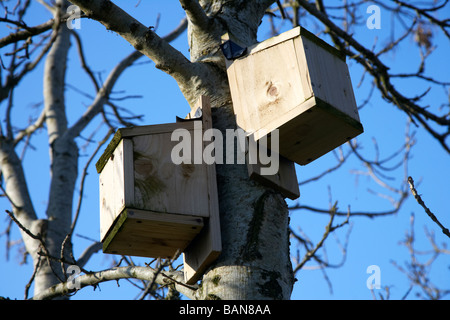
column 153, row 206
column 300, row 85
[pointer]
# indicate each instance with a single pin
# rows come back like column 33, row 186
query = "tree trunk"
column 255, row 261
column 63, row 159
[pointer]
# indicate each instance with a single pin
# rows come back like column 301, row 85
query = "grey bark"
column 63, row 159
column 141, row 273
column 255, row 262
column 18, row 194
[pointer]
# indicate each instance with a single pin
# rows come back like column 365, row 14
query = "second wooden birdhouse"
column 300, row 85
column 153, row 206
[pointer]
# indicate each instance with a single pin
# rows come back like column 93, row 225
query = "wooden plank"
column 162, row 186
column 155, row 129
column 292, row 34
column 266, row 85
column 305, row 34
column 305, row 78
column 112, row 189
column 104, row 158
column 207, row 246
column 155, row 207
column 330, row 78
column 284, row 119
column 285, row 181
column 128, row 172
column 266, row 44
column 136, row 131
column 313, row 141
column 299, row 84
column 151, row 234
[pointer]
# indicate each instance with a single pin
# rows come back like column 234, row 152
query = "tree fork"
column 269, row 264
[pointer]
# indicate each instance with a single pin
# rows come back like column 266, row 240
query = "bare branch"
column 353, row 213
column 341, row 161
column 379, row 71
column 424, row 12
column 428, row 211
column 31, row 129
column 417, row 271
column 54, row 81
column 196, row 14
column 266, row 3
column 41, row 250
column 83, row 60
column 88, row 252
column 15, row 77
column 177, row 31
column 103, row 93
column 25, row 34
column 141, row 37
column 143, row 273
column 28, row 232
column 328, row 230
column 16, row 186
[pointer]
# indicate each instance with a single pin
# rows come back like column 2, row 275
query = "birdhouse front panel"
column 150, row 206
column 300, row 85
column 157, row 179
column 153, row 205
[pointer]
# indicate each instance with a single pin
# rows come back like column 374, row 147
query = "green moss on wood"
column 216, row 280
column 115, row 230
column 212, row 297
column 108, row 151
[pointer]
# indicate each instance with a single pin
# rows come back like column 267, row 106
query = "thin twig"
column 328, row 230
column 428, row 211
column 28, row 232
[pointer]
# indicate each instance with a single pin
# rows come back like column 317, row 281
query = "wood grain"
column 151, row 234
column 300, row 85
column 152, row 207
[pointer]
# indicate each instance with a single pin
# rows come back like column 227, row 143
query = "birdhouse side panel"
column 285, row 180
column 329, row 77
column 115, row 185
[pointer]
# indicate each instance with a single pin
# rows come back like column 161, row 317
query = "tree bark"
column 255, row 261
column 19, row 196
column 63, row 159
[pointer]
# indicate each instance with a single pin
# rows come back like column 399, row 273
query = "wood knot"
column 273, row 91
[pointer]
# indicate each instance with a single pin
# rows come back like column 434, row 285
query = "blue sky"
column 371, row 241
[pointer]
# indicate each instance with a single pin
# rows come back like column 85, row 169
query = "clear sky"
column 371, row 241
